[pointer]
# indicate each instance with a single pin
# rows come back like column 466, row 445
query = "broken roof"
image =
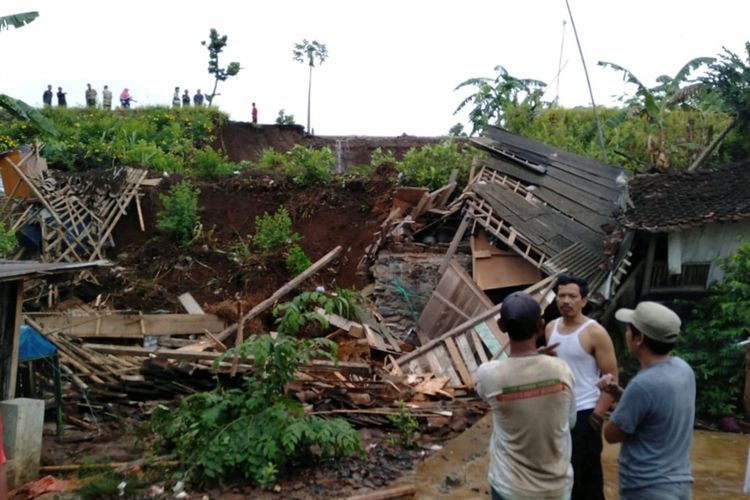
column 664, row 202
column 11, row 270
column 557, row 201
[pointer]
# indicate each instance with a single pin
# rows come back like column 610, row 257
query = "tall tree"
column 309, row 52
column 17, row 107
column 728, row 79
column 656, row 102
column 496, row 96
column 215, row 46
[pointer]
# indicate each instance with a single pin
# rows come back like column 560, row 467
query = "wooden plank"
column 129, row 325
column 462, row 342
column 314, row 365
column 478, row 346
column 454, row 244
column 458, row 362
column 190, row 304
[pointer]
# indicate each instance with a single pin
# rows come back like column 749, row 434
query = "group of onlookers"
column 125, row 97
column 551, row 395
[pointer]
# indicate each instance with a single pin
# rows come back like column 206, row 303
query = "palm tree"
column 655, row 103
column 496, row 96
column 310, row 51
column 729, row 80
column 17, row 107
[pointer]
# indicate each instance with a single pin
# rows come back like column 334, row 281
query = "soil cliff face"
column 245, row 141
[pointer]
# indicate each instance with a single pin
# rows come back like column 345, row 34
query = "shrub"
column 211, row 165
column 717, row 323
column 406, row 424
column 284, row 119
column 181, row 215
column 310, row 167
column 297, row 261
column 255, row 431
column 431, row 165
column 273, row 160
column 273, row 232
column 8, row 241
column 378, row 158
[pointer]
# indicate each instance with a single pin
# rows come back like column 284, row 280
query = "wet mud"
column 459, row 470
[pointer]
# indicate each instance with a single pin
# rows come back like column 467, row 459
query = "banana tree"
column 728, row 79
column 494, row 97
column 310, row 51
column 656, row 102
column 17, row 107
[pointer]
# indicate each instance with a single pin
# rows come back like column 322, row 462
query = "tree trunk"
column 714, row 144
column 309, row 93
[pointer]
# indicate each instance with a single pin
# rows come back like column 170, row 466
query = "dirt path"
column 459, row 470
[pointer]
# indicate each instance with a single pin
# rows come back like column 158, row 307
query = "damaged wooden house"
column 531, row 212
column 684, row 222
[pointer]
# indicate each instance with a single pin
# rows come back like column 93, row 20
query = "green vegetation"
column 159, row 138
column 215, row 45
column 311, row 167
column 297, row 261
column 717, row 323
column 211, row 164
column 406, row 424
column 181, row 215
column 310, row 52
column 431, row 165
column 255, row 432
column 285, row 119
column 273, row 232
column 8, row 241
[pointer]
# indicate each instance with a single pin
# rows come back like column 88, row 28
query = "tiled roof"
column 24, row 269
column 665, row 202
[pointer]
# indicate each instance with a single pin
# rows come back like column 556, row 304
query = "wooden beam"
column 407, row 491
column 190, row 304
column 454, row 245
column 129, row 325
column 648, row 272
column 11, row 300
column 281, row 292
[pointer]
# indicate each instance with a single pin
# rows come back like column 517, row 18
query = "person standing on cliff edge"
column 255, row 114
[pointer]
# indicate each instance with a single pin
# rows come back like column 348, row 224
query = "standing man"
column 47, row 97
column 655, row 416
column 90, row 96
column 176, row 98
column 587, row 348
column 106, row 98
column 186, row 99
column 255, row 114
column 62, row 101
column 198, row 98
column 531, row 398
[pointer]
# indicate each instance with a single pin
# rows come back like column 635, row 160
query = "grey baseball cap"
column 654, row 320
column 521, row 307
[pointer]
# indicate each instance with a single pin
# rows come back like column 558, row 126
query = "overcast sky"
column 393, row 64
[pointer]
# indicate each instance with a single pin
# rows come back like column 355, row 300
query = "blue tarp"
column 34, row 345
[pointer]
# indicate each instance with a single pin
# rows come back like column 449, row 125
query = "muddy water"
column 459, row 470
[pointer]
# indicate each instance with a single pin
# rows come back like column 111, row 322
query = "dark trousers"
column 588, row 481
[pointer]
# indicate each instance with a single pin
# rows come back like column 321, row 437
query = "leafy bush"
column 211, row 165
column 718, row 322
column 310, row 167
column 272, row 160
column 181, row 215
column 8, row 241
column 431, row 165
column 284, row 119
column 255, row 431
column 273, row 232
column 378, row 158
column 297, row 261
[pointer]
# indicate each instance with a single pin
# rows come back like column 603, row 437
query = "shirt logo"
column 527, row 391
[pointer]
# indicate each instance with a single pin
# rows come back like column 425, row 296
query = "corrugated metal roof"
column 11, row 270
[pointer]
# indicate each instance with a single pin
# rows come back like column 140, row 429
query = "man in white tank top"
column 587, row 348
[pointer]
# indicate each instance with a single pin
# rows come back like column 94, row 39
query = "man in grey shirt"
column 655, row 414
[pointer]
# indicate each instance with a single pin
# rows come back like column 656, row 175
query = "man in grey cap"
column 655, row 414
column 533, row 407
